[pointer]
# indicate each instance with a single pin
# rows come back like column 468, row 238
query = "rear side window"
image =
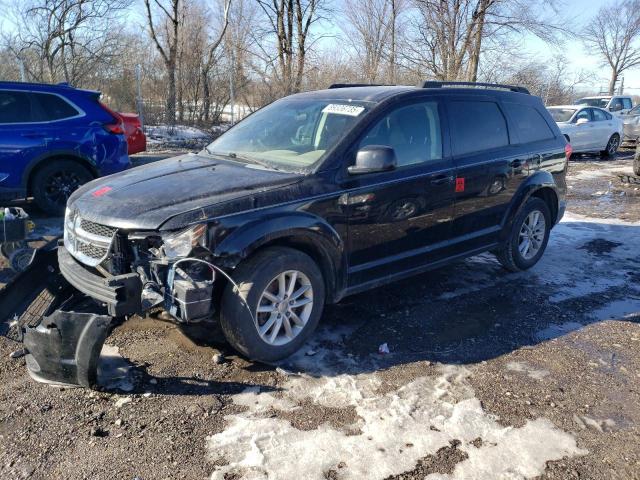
column 626, row 102
column 529, row 123
column 15, row 107
column 599, row 115
column 53, row 107
column 477, row 126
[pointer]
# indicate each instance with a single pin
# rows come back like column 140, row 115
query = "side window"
column 584, row 113
column 608, row 115
column 616, row 105
column 53, row 107
column 412, row 131
column 626, row 103
column 15, row 107
column 530, row 124
column 476, row 126
column 598, row 115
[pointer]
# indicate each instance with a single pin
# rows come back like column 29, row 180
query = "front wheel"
column 528, row 238
column 612, row 146
column 277, row 305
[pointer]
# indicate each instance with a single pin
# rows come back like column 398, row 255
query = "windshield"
column 561, row 114
column 290, row 134
column 594, row 102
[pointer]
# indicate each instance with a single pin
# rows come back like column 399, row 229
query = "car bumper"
column 121, row 293
column 64, row 348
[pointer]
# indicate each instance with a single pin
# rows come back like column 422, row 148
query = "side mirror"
column 582, row 121
column 373, row 158
column 615, row 108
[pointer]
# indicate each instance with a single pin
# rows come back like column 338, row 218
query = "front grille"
column 92, row 251
column 97, row 229
column 87, row 241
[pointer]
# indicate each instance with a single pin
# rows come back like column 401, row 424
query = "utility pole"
column 232, row 99
column 139, row 94
column 621, row 91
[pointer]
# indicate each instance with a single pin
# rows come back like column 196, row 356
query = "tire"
column 510, row 255
column 612, row 146
column 54, row 183
column 253, row 277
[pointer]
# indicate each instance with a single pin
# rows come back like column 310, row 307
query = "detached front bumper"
column 121, row 293
column 65, row 347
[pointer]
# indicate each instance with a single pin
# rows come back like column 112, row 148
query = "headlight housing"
column 180, row 244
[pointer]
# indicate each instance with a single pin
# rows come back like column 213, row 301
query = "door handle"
column 441, row 179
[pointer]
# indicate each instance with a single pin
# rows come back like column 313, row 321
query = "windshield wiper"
column 252, row 160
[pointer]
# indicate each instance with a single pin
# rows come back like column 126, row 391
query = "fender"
column 540, row 179
column 57, row 153
column 309, row 232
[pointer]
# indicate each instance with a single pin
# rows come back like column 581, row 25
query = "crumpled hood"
column 147, row 196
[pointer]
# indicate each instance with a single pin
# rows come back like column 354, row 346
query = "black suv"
column 318, row 196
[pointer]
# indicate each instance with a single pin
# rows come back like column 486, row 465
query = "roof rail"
column 442, row 84
column 347, row 85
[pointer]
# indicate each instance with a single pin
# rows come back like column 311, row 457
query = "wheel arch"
column 304, row 232
column 36, row 165
column 542, row 186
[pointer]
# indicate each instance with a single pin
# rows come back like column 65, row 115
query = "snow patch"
column 523, row 367
column 397, row 429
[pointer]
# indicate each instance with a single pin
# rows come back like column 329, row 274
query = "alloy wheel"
column 612, row 148
column 60, row 186
column 284, row 308
column 532, row 233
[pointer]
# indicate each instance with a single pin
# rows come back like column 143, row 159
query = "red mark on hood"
column 460, row 184
column 101, row 191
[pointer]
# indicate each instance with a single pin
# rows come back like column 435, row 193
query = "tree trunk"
column 206, row 96
column 613, row 81
column 476, row 47
column 392, row 53
column 171, row 98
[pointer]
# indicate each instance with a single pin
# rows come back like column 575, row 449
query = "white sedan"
column 588, row 129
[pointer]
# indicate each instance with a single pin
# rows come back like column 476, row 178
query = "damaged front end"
column 102, row 277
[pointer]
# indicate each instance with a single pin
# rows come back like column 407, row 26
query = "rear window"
column 53, row 107
column 477, row 126
column 15, row 107
column 561, row 114
column 529, row 123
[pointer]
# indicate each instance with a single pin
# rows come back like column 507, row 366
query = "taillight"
column 568, row 151
column 117, row 126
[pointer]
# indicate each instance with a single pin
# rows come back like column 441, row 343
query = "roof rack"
column 442, row 84
column 347, row 85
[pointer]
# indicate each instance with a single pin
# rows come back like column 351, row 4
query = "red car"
column 136, row 139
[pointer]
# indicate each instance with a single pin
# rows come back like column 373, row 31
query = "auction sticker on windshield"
column 340, row 109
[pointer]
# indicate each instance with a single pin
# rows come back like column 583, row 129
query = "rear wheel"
column 277, row 306
column 528, row 238
column 54, row 183
column 612, row 146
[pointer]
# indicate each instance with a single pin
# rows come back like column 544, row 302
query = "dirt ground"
column 490, row 375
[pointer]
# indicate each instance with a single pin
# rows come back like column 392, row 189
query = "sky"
column 579, row 12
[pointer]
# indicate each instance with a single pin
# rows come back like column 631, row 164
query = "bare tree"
column 167, row 45
column 213, row 56
column 290, row 22
column 613, row 34
column 370, row 27
column 66, row 39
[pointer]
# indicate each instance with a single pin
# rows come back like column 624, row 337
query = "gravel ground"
column 490, row 375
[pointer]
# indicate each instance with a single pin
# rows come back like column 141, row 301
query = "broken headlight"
column 179, row 244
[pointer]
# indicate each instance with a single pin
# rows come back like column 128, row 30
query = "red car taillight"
column 568, row 151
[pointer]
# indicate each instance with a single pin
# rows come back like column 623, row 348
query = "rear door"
column 603, row 127
column 20, row 138
column 489, row 167
column 401, row 219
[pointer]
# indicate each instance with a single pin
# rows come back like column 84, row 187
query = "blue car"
column 54, row 138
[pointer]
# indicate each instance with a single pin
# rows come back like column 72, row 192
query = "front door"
column 400, row 220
